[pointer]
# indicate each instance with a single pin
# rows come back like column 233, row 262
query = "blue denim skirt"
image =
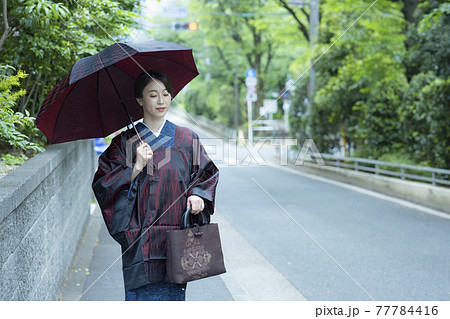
column 159, row 291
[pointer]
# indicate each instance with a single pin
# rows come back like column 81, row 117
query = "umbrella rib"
column 59, row 113
column 120, row 98
column 122, row 70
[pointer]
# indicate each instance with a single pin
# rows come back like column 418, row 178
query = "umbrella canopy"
column 90, row 101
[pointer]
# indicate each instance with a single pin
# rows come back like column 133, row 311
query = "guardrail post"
column 433, row 178
column 402, row 170
column 376, row 169
column 356, row 166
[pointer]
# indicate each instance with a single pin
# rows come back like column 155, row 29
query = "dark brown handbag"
column 194, row 251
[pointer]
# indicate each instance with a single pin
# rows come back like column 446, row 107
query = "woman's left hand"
column 196, row 204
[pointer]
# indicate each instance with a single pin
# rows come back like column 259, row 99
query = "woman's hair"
column 146, row 77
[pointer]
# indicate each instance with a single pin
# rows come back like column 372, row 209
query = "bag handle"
column 186, row 219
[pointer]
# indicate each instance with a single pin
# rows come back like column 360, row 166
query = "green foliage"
column 13, row 123
column 425, row 118
column 429, row 48
column 214, row 100
column 382, row 88
column 432, row 18
column 402, row 158
column 41, row 12
column 9, row 159
column 235, row 36
column 48, row 38
column 360, row 87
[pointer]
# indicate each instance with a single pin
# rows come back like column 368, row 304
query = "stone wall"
column 44, row 207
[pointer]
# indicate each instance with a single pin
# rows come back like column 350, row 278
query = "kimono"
column 139, row 213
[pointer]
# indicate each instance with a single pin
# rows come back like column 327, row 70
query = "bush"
column 424, row 116
column 14, row 124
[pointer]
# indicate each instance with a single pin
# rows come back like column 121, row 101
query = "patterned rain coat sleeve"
column 138, row 214
column 204, row 176
column 113, row 189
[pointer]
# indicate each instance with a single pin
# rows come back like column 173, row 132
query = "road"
column 287, row 235
column 329, row 241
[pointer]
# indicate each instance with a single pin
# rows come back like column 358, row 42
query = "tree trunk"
column 409, row 6
column 8, row 30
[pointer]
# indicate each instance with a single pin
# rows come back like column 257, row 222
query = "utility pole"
column 236, row 91
column 313, row 38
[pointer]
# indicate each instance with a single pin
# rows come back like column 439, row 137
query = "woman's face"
column 155, row 100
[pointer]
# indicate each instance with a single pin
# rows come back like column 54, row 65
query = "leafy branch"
column 12, row 123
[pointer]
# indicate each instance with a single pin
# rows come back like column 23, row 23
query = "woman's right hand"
column 144, row 153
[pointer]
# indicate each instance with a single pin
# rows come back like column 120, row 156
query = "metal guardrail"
column 437, row 175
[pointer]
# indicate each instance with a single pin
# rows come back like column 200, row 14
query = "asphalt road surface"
column 329, row 241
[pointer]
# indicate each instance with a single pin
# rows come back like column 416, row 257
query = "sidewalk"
column 96, row 273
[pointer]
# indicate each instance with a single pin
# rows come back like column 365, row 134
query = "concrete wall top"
column 17, row 185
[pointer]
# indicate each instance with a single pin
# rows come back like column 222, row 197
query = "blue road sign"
column 251, row 73
column 286, row 95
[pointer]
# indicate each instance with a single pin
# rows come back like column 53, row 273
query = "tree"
column 50, row 36
column 382, row 86
column 424, row 112
column 237, row 35
column 300, row 20
column 356, row 74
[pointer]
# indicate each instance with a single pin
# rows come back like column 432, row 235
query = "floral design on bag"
column 195, row 258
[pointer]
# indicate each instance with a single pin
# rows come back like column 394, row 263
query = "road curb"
column 250, row 276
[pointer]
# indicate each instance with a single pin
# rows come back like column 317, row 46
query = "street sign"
column 252, row 97
column 251, row 89
column 251, row 73
column 251, row 81
column 286, row 95
column 270, row 106
column 290, row 84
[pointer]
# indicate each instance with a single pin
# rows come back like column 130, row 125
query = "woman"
column 143, row 188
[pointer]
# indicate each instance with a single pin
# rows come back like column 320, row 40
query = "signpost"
column 251, row 82
column 286, row 96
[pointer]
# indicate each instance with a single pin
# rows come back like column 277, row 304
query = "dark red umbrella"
column 97, row 97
